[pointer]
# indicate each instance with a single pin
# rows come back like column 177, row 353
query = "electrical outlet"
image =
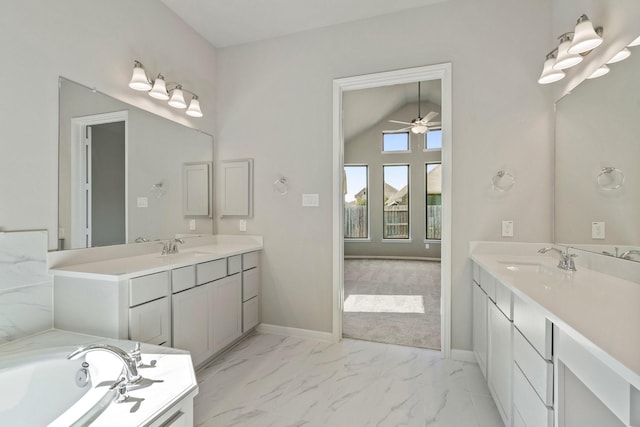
column 142, row 202
column 243, row 225
column 507, row 228
column 426, row 246
column 311, row 200
column 597, row 230
column 192, row 224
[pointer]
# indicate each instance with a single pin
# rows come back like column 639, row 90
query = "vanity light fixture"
column 635, row 42
column 585, row 37
column 549, row 74
column 599, row 72
column 565, row 59
column 160, row 89
column 620, row 56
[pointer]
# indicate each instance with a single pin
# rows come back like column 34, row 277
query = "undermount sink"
column 524, row 266
column 183, row 255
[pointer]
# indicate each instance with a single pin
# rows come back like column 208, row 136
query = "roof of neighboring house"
column 398, row 196
column 434, row 180
column 360, row 193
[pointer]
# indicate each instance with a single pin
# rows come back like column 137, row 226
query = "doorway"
column 99, row 193
column 396, row 205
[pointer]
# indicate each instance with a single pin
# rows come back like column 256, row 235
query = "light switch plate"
column 507, row 228
column 312, row 200
column 597, row 230
column 243, row 225
column 142, row 202
column 192, row 224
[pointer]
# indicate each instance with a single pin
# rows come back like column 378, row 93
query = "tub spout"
column 130, row 370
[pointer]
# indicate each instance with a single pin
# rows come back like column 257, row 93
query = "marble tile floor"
column 272, row 380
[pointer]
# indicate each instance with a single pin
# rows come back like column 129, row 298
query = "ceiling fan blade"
column 434, row 124
column 402, row 123
column 429, row 116
column 398, row 130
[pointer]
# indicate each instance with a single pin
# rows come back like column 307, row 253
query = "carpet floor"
column 392, row 301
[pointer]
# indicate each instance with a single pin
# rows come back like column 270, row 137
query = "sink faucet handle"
column 173, row 245
column 166, row 246
column 136, row 354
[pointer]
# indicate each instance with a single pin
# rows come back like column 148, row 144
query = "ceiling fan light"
column 564, row 59
column 620, row 56
column 599, row 72
column 549, row 75
column 139, row 80
column 419, row 128
column 585, row 37
column 177, row 98
column 194, row 108
column 159, row 89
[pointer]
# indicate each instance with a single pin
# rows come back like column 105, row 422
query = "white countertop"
column 172, row 377
column 126, row 267
column 600, row 311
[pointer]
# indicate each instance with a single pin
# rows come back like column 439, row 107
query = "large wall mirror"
column 597, row 199
column 121, row 172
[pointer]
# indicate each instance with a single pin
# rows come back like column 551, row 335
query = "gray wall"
column 501, row 117
column 46, row 39
column 366, row 148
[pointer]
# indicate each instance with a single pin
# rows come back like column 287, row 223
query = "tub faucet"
column 627, row 254
column 566, row 259
column 129, row 364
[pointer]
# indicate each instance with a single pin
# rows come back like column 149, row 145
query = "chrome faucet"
column 627, row 254
column 129, row 364
column 173, row 245
column 566, row 259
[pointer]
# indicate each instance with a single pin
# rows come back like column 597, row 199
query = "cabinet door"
column 196, row 189
column 480, row 327
column 237, row 187
column 225, row 304
column 500, row 360
column 151, row 322
column 250, row 314
column 191, row 323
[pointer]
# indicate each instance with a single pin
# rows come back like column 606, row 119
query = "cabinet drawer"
column 536, row 328
column 250, row 284
column 151, row 322
column 210, row 271
column 183, row 278
column 148, row 288
column 250, row 260
column 488, row 284
column 539, row 372
column 503, row 300
column 250, row 314
column 532, row 412
column 234, row 264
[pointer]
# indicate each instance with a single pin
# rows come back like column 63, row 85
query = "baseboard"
column 294, row 332
column 463, row 355
column 400, row 258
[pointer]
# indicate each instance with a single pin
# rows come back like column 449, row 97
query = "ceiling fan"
column 420, row 125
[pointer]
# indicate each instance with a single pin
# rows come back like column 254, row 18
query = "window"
column 433, row 139
column 433, row 184
column 395, row 221
column 394, row 142
column 356, row 206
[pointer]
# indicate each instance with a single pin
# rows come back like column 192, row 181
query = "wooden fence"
column 396, row 224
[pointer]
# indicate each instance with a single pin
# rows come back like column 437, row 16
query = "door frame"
column 78, row 199
column 368, row 81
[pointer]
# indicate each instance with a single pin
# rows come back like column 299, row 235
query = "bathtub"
column 39, row 388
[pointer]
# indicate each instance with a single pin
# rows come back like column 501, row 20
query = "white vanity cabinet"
column 250, row 291
column 150, row 309
column 190, row 323
column 225, row 321
column 479, row 322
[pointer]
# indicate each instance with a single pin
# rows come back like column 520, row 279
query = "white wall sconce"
column 160, row 89
column 549, row 74
column 571, row 50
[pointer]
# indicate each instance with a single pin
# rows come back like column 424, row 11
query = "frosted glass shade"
column 194, row 108
column 585, row 37
column 419, row 128
column 159, row 89
column 635, row 42
column 177, row 99
column 565, row 59
column 549, row 75
column 599, row 72
column 139, row 80
column 620, row 56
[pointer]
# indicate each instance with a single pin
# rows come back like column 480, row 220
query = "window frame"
column 390, row 132
column 359, row 239
column 426, row 202
column 409, row 228
column 426, row 136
